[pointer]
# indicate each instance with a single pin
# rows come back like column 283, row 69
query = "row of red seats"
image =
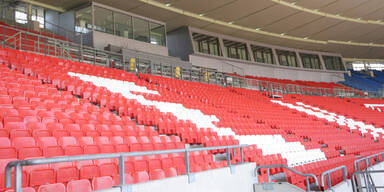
column 170, row 164
column 235, row 108
column 24, row 147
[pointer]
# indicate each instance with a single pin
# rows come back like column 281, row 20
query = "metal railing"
column 27, row 41
column 306, row 175
column 368, row 161
column 120, row 156
column 365, row 173
column 328, row 175
column 41, row 44
column 369, row 184
column 7, row 15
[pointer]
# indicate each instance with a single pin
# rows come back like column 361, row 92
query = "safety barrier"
column 18, row 164
column 328, row 175
column 306, row 175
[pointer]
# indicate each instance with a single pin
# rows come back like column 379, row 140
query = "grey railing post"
column 187, row 168
column 20, row 34
column 121, row 171
column 18, row 178
column 286, row 167
column 25, row 41
column 3, row 41
column 268, row 175
column 329, row 183
column 307, row 182
column 81, row 47
column 228, row 157
column 38, row 44
column 241, row 155
column 328, row 172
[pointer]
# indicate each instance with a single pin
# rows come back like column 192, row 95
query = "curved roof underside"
column 353, row 28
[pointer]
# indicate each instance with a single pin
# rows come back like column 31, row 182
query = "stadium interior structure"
column 171, row 95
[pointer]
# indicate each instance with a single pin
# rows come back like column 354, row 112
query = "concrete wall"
column 217, row 180
column 101, row 40
column 264, row 70
column 179, row 43
column 345, row 186
column 52, row 20
column 67, row 20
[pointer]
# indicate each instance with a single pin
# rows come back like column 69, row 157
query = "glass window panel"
column 21, row 15
column 236, row 50
column 283, row 60
column 206, row 44
column 204, row 47
column 83, row 20
column 333, row 63
column 310, row 61
column 262, row 54
column 157, row 33
column 287, row 58
column 140, row 29
column 123, row 25
column 103, row 19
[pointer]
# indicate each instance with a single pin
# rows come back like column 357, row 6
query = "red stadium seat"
column 156, row 174
column 100, row 183
column 57, row 187
column 82, row 185
column 141, row 176
column 65, row 172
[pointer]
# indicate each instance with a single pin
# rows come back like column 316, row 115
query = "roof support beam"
column 33, row 2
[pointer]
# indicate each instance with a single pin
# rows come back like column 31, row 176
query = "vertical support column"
column 29, row 11
column 249, row 49
column 322, row 62
column 222, row 47
column 276, row 58
column 299, row 61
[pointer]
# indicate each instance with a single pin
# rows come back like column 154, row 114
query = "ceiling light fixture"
column 201, row 14
column 168, row 4
column 231, row 22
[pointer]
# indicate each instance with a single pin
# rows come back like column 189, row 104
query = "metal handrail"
column 328, row 174
column 367, row 160
column 367, row 185
column 306, row 175
column 18, row 164
column 237, row 81
column 11, row 20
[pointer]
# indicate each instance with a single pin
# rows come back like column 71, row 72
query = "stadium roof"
column 353, row 28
